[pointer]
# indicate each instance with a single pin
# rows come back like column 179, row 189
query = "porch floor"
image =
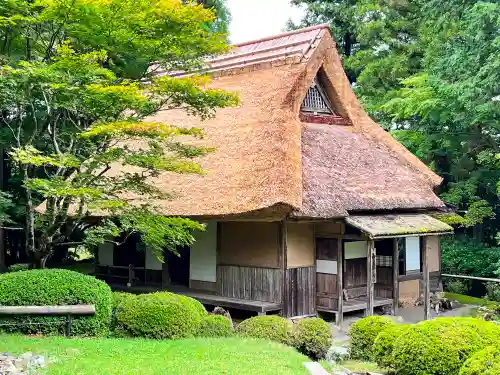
column 358, row 304
column 206, row 298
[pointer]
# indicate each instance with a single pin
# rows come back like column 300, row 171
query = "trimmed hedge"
column 312, row 337
column 384, row 344
column 159, row 315
column 441, row 346
column 215, row 326
column 269, row 327
column 484, row 362
column 363, row 334
column 50, row 287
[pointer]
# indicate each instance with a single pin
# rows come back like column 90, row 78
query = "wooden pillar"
column 395, row 275
column 340, row 283
column 426, row 283
column 286, row 311
column 372, row 276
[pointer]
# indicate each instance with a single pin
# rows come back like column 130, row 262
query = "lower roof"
column 345, row 171
column 384, row 226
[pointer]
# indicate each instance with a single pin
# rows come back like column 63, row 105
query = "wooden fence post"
column 340, row 283
column 395, row 276
column 372, row 276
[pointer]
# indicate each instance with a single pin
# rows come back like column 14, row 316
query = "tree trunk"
column 30, row 217
column 3, row 264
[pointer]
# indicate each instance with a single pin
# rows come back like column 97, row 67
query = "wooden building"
column 309, row 204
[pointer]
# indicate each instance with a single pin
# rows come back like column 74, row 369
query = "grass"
column 354, row 366
column 199, row 356
column 466, row 300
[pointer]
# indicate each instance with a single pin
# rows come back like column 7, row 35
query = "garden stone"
column 24, row 364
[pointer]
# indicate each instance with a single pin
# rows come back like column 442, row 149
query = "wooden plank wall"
column 251, row 283
column 301, row 291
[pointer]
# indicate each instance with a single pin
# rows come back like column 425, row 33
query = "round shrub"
column 484, row 362
column 119, row 298
column 441, row 346
column 215, row 326
column 269, row 327
column 312, row 337
column 51, row 287
column 384, row 344
column 363, row 334
column 159, row 315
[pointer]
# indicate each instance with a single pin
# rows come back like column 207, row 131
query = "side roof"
column 267, row 162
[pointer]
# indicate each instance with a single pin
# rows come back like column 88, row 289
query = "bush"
column 159, row 316
column 50, row 287
column 312, row 337
column 493, row 291
column 19, row 267
column 384, row 344
column 267, row 327
column 363, row 334
column 441, row 346
column 456, row 286
column 215, row 326
column 484, row 362
column 119, row 298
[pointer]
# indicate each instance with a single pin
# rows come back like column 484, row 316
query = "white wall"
column 326, row 266
column 355, row 249
column 106, row 254
column 152, row 262
column 203, row 257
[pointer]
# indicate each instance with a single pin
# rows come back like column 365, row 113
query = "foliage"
column 428, row 72
column 269, row 327
column 462, row 257
column 19, row 267
column 196, row 356
column 489, row 312
column 384, row 344
column 442, row 345
column 312, row 337
column 353, row 366
column 215, row 326
column 484, row 362
column 159, row 315
column 78, row 83
column 457, row 286
column 363, row 334
column 493, row 291
column 54, row 287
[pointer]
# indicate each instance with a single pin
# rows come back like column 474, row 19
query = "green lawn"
column 190, row 356
column 354, row 366
column 466, row 300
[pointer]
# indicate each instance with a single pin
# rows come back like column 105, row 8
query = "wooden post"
column 426, row 283
column 372, row 276
column 286, row 298
column 395, row 275
column 340, row 283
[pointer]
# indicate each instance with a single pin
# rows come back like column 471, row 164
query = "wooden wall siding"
column 383, row 286
column 355, row 273
column 251, row 283
column 327, row 303
column 326, row 285
column 300, row 291
column 207, row 286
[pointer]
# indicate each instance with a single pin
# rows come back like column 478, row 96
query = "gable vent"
column 316, row 100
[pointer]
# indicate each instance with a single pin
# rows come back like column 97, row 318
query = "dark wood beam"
column 340, row 283
column 426, row 277
column 395, row 275
column 372, row 276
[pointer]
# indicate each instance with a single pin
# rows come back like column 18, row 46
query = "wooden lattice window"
column 316, row 100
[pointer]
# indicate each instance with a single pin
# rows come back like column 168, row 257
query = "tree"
column 428, row 72
column 80, row 80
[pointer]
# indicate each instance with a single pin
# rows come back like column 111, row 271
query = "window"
column 316, row 100
column 410, row 255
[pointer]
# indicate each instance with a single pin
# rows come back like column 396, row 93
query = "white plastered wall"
column 203, row 257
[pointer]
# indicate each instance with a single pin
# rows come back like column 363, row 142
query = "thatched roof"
column 268, row 163
column 380, row 226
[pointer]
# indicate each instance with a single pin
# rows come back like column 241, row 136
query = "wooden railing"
column 471, row 278
column 64, row 310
